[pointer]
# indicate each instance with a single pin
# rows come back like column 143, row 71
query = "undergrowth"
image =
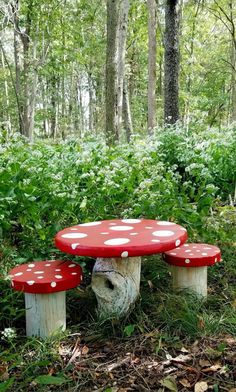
column 46, row 187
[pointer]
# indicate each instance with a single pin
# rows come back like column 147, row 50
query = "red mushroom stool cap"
column 193, row 255
column 43, row 277
column 120, row 238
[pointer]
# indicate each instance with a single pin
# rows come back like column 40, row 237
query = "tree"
column 171, row 78
column 117, row 20
column 152, row 52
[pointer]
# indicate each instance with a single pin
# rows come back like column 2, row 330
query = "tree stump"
column 116, row 282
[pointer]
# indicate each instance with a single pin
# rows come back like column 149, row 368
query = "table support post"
column 115, row 282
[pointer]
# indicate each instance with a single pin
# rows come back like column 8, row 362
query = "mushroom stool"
column 44, row 284
column 189, row 266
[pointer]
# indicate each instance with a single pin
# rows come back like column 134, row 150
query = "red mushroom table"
column 118, row 246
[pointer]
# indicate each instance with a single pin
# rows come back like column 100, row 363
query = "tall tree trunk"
column 233, row 83
column 15, row 12
column 112, row 135
column 128, row 126
column 122, row 35
column 191, row 56
column 233, row 63
column 117, row 20
column 152, row 51
column 90, row 85
column 171, row 83
column 6, row 116
column 53, row 83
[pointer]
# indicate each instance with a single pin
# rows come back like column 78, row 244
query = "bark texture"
column 111, row 71
column 116, row 282
column 152, row 52
column 171, row 83
column 127, row 119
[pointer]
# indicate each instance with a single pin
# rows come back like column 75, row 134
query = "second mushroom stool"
column 44, row 284
column 189, row 265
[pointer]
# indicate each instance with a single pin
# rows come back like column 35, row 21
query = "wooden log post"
column 45, row 313
column 194, row 279
column 116, row 282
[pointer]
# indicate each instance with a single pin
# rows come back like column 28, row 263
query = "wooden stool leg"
column 45, row 313
column 194, row 279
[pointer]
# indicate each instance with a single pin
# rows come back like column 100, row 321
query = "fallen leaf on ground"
column 170, row 383
column 212, row 368
column 185, row 383
column 204, row 363
column 201, row 386
column 184, row 350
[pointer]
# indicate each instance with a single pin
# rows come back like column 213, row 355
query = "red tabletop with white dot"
column 120, row 238
column 193, row 255
column 46, row 276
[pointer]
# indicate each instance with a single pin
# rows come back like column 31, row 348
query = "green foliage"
column 172, row 176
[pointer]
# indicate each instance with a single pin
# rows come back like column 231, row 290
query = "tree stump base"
column 116, row 282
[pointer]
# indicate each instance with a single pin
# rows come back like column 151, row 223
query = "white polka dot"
column 163, row 233
column 72, row 265
column 29, row 269
column 58, row 276
column 38, row 272
column 74, row 228
column 187, row 261
column 131, row 221
column 30, row 282
column 31, row 265
column 125, row 254
column 74, row 235
column 156, row 240
column 39, row 277
column 148, row 227
column 133, row 233
column 207, row 248
column 91, row 224
column 74, row 273
column 58, row 270
column 19, row 274
column 117, row 241
column 177, row 242
column 198, row 250
column 165, row 223
column 194, row 247
column 47, row 265
column 191, row 254
column 53, row 284
column 173, row 254
column 204, row 254
column 187, row 251
column 105, row 232
column 186, row 245
column 112, row 224
column 122, row 228
column 74, row 246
